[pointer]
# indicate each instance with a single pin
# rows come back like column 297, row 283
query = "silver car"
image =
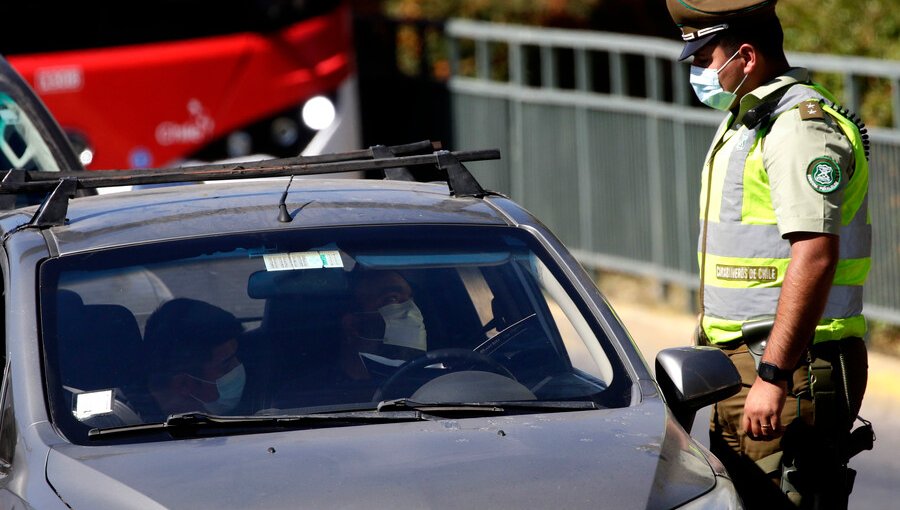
column 326, row 344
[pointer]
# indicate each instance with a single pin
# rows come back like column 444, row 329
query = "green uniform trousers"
column 740, row 453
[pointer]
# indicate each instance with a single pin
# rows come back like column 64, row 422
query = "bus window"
column 21, row 145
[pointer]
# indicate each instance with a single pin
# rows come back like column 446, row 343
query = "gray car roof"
column 247, row 206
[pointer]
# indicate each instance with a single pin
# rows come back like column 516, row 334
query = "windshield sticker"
column 331, row 258
column 93, row 403
column 303, row 260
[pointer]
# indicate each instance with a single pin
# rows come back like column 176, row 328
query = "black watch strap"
column 771, row 373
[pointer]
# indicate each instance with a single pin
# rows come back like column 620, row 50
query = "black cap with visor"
column 700, row 39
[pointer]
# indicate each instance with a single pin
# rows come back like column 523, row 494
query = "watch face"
column 770, row 373
column 766, row 372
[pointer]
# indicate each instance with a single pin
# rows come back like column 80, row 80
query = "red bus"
column 157, row 83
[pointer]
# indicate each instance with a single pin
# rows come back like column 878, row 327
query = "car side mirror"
column 694, row 377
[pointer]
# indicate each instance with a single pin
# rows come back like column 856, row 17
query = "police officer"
column 784, row 253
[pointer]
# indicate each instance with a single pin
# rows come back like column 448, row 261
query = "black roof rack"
column 394, row 160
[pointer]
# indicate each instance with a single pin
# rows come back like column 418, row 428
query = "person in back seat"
column 193, row 356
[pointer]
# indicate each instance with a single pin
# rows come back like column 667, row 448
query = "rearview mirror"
column 694, row 377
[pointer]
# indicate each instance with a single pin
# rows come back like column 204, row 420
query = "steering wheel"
column 506, row 334
column 416, row 371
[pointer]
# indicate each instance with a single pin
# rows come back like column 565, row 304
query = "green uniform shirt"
column 781, row 165
column 788, row 149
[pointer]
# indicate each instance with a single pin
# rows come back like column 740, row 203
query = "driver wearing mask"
column 194, row 360
column 385, row 322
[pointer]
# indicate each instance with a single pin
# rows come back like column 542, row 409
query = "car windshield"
column 303, row 322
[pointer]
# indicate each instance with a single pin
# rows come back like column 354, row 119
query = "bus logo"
column 197, row 128
column 60, row 79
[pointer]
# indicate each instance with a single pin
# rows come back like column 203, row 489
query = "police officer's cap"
column 701, row 21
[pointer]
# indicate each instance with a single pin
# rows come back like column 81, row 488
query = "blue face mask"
column 709, row 90
column 230, row 387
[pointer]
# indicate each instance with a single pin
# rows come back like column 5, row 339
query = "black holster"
column 755, row 335
column 814, row 460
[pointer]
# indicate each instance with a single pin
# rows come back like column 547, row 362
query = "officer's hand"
column 762, row 410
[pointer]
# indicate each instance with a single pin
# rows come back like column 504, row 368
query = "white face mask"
column 709, row 90
column 230, row 387
column 403, row 325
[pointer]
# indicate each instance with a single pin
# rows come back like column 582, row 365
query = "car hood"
column 636, row 457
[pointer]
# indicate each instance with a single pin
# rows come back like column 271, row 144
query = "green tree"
column 844, row 27
column 840, row 27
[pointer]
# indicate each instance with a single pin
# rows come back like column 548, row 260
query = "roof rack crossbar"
column 11, row 178
column 393, row 160
column 421, row 147
column 399, row 173
column 36, row 181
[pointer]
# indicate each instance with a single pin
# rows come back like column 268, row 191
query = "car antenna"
column 283, row 215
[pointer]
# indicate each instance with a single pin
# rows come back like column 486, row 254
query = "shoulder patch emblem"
column 811, row 109
column 824, row 175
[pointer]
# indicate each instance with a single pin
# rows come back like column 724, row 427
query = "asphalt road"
column 878, row 471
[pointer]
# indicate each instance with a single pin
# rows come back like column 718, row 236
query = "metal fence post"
column 548, row 68
column 655, row 178
column 617, row 73
column 517, row 135
column 895, row 102
column 583, row 143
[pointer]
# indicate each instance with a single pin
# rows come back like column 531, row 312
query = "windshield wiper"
column 498, row 407
column 194, row 424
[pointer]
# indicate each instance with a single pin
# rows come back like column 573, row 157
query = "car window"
column 298, row 322
column 21, row 145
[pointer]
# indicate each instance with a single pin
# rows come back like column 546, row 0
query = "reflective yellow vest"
column 746, row 257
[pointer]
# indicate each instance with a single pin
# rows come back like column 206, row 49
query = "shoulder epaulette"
column 854, row 118
column 811, row 109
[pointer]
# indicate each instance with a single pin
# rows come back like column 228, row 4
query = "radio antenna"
column 283, row 215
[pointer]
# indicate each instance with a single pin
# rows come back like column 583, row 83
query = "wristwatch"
column 772, row 374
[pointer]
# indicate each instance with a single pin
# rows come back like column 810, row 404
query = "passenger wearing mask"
column 194, row 363
column 385, row 322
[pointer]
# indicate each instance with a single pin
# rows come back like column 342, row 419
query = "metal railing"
column 603, row 140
